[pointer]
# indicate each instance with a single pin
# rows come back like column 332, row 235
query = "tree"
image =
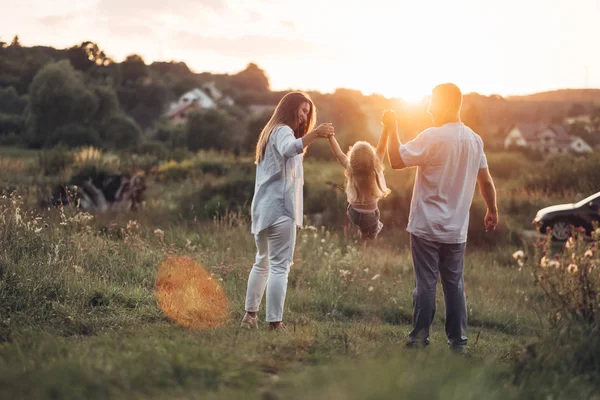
column 133, row 69
column 73, row 134
column 252, row 78
column 11, row 124
column 576, row 110
column 11, row 102
column 15, row 42
column 144, row 103
column 87, row 55
column 471, row 117
column 58, row 97
column 173, row 136
column 253, row 129
column 211, row 129
column 121, row 132
column 108, row 103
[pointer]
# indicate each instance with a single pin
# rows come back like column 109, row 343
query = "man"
column 450, row 160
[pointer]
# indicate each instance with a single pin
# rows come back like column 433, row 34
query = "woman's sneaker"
column 249, row 322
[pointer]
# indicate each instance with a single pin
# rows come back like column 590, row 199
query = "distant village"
column 547, row 139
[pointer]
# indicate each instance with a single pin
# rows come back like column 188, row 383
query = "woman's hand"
column 325, row 130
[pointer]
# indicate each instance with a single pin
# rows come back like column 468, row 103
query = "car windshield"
column 587, row 200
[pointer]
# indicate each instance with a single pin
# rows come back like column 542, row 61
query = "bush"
column 568, row 356
column 54, row 161
column 212, row 129
column 12, row 139
column 10, row 101
column 11, row 124
column 566, row 174
column 121, row 132
column 233, row 195
column 74, row 135
column 172, row 136
column 506, row 165
column 152, row 147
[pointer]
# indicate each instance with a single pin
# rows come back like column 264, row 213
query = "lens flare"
column 189, row 295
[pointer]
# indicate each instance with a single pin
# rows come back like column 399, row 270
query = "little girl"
column 365, row 183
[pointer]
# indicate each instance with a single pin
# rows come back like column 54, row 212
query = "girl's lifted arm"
column 335, row 149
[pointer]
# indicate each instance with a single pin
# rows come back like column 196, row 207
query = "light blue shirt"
column 279, row 181
column 448, row 160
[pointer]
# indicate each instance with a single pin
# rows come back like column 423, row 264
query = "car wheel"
column 561, row 230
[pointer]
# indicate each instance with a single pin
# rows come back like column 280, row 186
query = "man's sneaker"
column 249, row 322
column 416, row 344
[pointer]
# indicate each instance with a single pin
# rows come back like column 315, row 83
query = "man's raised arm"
column 388, row 119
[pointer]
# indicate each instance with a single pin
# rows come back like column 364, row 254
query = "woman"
column 277, row 206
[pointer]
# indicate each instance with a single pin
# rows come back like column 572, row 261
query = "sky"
column 395, row 48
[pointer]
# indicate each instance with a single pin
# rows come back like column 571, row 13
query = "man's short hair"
column 448, row 95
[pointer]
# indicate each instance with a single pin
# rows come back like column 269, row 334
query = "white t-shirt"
column 448, row 160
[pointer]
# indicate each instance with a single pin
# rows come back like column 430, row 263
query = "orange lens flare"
column 189, row 295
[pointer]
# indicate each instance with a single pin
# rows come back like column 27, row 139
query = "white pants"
column 275, row 251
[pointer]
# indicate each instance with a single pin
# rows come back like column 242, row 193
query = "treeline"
column 79, row 96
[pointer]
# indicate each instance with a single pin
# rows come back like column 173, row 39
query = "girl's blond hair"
column 286, row 113
column 364, row 175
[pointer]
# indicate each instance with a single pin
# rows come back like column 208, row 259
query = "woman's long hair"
column 286, row 113
column 364, row 175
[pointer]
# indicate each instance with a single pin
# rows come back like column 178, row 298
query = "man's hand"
column 388, row 118
column 490, row 220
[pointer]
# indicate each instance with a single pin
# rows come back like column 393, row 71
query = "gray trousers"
column 431, row 259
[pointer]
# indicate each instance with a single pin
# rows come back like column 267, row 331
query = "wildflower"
column 375, row 277
column 554, row 263
column 572, row 269
column 322, row 240
column 344, row 273
column 78, row 269
column 570, row 243
column 517, row 255
column 159, row 233
column 132, row 225
column 544, row 262
column 589, row 253
column 371, row 288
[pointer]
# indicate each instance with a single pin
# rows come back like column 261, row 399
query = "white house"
column 578, row 145
column 206, row 97
column 203, row 99
column 522, row 135
column 548, row 139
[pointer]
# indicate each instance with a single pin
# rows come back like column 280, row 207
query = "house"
column 179, row 112
column 200, row 96
column 547, row 139
column 522, row 135
column 204, row 98
column 579, row 146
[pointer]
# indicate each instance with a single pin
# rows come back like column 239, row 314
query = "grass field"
column 79, row 316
